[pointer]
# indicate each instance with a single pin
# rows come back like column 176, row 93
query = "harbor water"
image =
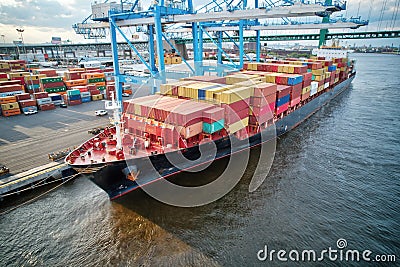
column 336, row 176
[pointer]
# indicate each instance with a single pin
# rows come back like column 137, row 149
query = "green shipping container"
column 51, row 80
column 213, row 127
column 73, row 92
column 96, row 80
column 101, row 88
column 56, row 89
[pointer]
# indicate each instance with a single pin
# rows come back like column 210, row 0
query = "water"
column 335, row 176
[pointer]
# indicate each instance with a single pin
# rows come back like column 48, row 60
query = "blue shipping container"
column 331, row 68
column 283, row 100
column 74, row 97
column 56, row 97
column 86, row 99
column 213, row 127
column 201, row 94
column 295, row 80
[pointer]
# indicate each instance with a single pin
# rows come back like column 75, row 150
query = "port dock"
column 31, row 178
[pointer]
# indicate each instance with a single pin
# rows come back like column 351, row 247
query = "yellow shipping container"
column 246, row 84
column 214, row 94
column 270, row 77
column 10, row 106
column 17, row 74
column 320, row 88
column 176, row 60
column 236, row 94
column 34, row 77
column 327, row 75
column 239, row 77
column 318, row 78
column 318, row 72
column 167, row 61
column 306, row 90
column 233, row 128
column 97, row 97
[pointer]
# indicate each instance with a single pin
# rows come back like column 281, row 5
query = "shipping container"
column 11, row 112
column 27, row 103
column 10, row 106
column 48, row 106
column 24, row 96
column 213, row 127
column 97, row 97
column 41, row 101
column 283, row 100
column 233, row 128
column 213, row 115
column 74, row 102
column 8, row 99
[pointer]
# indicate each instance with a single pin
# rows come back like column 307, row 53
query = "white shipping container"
column 85, row 94
column 57, row 102
column 326, row 85
column 42, row 101
column 11, row 93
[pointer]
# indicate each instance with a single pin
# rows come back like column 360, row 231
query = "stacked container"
column 10, row 88
column 74, row 97
column 32, row 82
column 86, row 97
column 56, row 99
column 95, row 78
column 47, row 72
column 283, row 98
column 9, row 106
column 18, row 76
column 52, row 85
column 4, row 66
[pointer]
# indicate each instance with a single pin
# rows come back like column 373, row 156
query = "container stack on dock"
column 32, row 82
column 52, row 85
column 44, row 102
column 73, row 97
column 9, row 106
column 26, row 103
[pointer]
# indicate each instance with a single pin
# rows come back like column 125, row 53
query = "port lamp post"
column 22, row 38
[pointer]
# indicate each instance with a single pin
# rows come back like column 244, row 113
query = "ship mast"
column 115, row 105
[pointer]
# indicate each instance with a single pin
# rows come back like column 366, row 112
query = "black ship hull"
column 112, row 177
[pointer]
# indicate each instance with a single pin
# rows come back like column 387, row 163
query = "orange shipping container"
column 8, row 99
column 12, row 112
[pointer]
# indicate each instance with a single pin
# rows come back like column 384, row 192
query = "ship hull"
column 112, row 177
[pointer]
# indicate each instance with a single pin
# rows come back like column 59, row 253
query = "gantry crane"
column 216, row 18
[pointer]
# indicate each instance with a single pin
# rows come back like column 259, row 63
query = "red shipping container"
column 95, row 92
column 11, row 88
column 262, row 101
column 24, row 96
column 281, row 79
column 20, row 79
column 282, row 108
column 307, row 76
column 45, row 107
column 91, row 87
column 3, row 76
column 213, row 115
column 283, row 90
column 3, row 83
column 52, row 85
column 40, row 95
column 233, row 117
column 296, row 91
column 305, row 96
column 306, row 83
column 264, row 89
column 300, row 69
column 239, row 105
column 295, row 101
column 74, row 102
column 27, row 103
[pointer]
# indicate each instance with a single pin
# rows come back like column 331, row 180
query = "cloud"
column 42, row 13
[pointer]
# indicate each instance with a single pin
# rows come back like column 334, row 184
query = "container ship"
column 188, row 115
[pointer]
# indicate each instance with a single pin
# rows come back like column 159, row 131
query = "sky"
column 42, row 19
